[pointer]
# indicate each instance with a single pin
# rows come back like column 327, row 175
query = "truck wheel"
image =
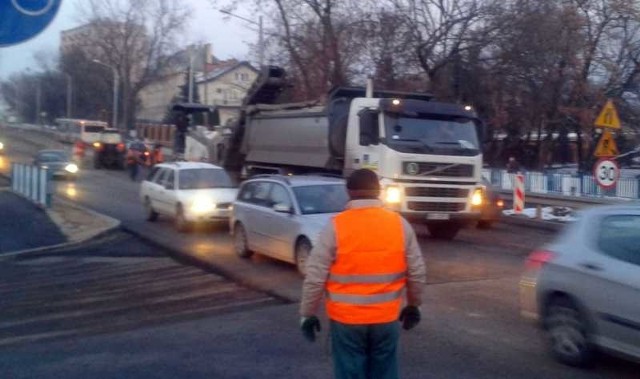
column 444, row 231
column 303, row 249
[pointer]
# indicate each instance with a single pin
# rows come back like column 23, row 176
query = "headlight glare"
column 392, row 195
column 71, row 168
column 202, row 205
column 477, row 197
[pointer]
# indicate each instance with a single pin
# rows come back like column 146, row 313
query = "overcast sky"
column 229, row 38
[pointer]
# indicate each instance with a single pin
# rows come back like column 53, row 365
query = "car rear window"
column 323, row 198
column 620, row 237
column 199, row 178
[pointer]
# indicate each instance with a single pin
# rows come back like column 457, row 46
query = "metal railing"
column 564, row 184
column 32, row 182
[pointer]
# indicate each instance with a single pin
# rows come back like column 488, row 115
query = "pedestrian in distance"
column 134, row 159
column 512, row 165
column 363, row 262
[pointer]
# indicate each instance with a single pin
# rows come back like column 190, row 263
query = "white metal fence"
column 564, row 184
column 31, row 182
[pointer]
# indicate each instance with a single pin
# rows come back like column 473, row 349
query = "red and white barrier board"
column 518, row 193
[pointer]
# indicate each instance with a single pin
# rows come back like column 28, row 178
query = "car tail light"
column 146, row 153
column 539, row 258
column 500, row 203
column 120, row 147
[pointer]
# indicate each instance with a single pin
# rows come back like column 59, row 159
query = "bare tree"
column 138, row 38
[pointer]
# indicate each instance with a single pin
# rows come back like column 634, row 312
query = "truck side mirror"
column 369, row 127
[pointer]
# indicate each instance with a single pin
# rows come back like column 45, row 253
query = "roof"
column 218, row 72
column 189, row 165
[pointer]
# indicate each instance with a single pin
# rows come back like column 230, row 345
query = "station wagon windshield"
column 432, row 135
column 321, row 198
column 201, row 178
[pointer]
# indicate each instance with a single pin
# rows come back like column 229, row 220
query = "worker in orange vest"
column 362, row 263
column 157, row 156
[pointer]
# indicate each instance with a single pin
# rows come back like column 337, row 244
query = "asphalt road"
column 471, row 326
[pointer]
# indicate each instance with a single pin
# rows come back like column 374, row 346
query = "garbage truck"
column 426, row 153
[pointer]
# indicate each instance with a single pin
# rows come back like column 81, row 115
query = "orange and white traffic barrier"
column 518, row 194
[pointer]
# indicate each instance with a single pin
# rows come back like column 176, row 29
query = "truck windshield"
column 432, row 135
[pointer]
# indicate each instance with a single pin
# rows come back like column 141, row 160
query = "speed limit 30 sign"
column 606, row 172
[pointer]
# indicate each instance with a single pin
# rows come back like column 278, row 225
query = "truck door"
column 363, row 141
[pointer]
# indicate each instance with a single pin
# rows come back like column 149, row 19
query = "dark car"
column 140, row 148
column 57, row 162
column 109, row 150
column 492, row 206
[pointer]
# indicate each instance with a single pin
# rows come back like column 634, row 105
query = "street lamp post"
column 115, row 91
column 69, row 94
column 260, row 33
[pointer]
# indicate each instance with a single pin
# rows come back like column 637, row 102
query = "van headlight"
column 477, row 198
column 392, row 195
column 202, row 204
column 71, row 168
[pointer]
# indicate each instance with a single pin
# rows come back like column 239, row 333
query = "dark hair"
column 363, row 184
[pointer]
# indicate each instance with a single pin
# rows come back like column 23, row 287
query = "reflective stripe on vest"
column 365, row 299
column 367, row 278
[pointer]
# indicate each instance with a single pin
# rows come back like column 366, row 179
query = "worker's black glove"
column 309, row 326
column 409, row 317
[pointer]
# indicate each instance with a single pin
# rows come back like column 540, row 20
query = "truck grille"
column 424, row 206
column 436, row 192
column 442, row 169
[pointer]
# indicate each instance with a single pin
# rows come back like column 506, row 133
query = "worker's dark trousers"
column 365, row 351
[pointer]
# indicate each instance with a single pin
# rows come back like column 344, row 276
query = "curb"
column 527, row 222
column 113, row 224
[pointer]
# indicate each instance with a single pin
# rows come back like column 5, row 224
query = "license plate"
column 438, row 216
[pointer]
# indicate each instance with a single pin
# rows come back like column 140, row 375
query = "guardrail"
column 32, row 182
column 576, row 186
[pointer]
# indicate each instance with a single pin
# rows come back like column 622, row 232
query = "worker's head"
column 363, row 184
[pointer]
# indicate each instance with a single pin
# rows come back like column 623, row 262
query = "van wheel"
column 567, row 333
column 240, row 244
column 180, row 222
column 303, row 250
column 148, row 209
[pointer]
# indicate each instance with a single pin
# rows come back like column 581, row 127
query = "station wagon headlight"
column 202, row 204
column 71, row 168
column 392, row 195
column 477, row 197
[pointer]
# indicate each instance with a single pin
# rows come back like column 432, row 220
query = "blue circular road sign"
column 24, row 19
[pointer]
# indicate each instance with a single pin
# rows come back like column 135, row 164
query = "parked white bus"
column 72, row 130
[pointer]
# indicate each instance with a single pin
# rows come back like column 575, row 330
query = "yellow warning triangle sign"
column 606, row 146
column 608, row 117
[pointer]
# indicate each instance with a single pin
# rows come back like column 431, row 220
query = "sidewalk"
column 26, row 228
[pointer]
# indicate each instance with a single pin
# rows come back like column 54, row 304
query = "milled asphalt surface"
column 25, row 226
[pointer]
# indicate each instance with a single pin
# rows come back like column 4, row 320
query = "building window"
column 244, row 77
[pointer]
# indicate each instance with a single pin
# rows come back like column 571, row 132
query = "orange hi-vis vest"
column 368, row 277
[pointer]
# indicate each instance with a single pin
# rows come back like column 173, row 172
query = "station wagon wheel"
column 240, row 242
column 303, row 250
column 148, row 209
column 567, row 333
column 180, row 222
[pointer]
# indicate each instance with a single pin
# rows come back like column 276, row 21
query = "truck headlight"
column 392, row 195
column 71, row 168
column 202, row 204
column 477, row 197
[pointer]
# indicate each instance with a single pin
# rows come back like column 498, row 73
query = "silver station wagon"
column 282, row 216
